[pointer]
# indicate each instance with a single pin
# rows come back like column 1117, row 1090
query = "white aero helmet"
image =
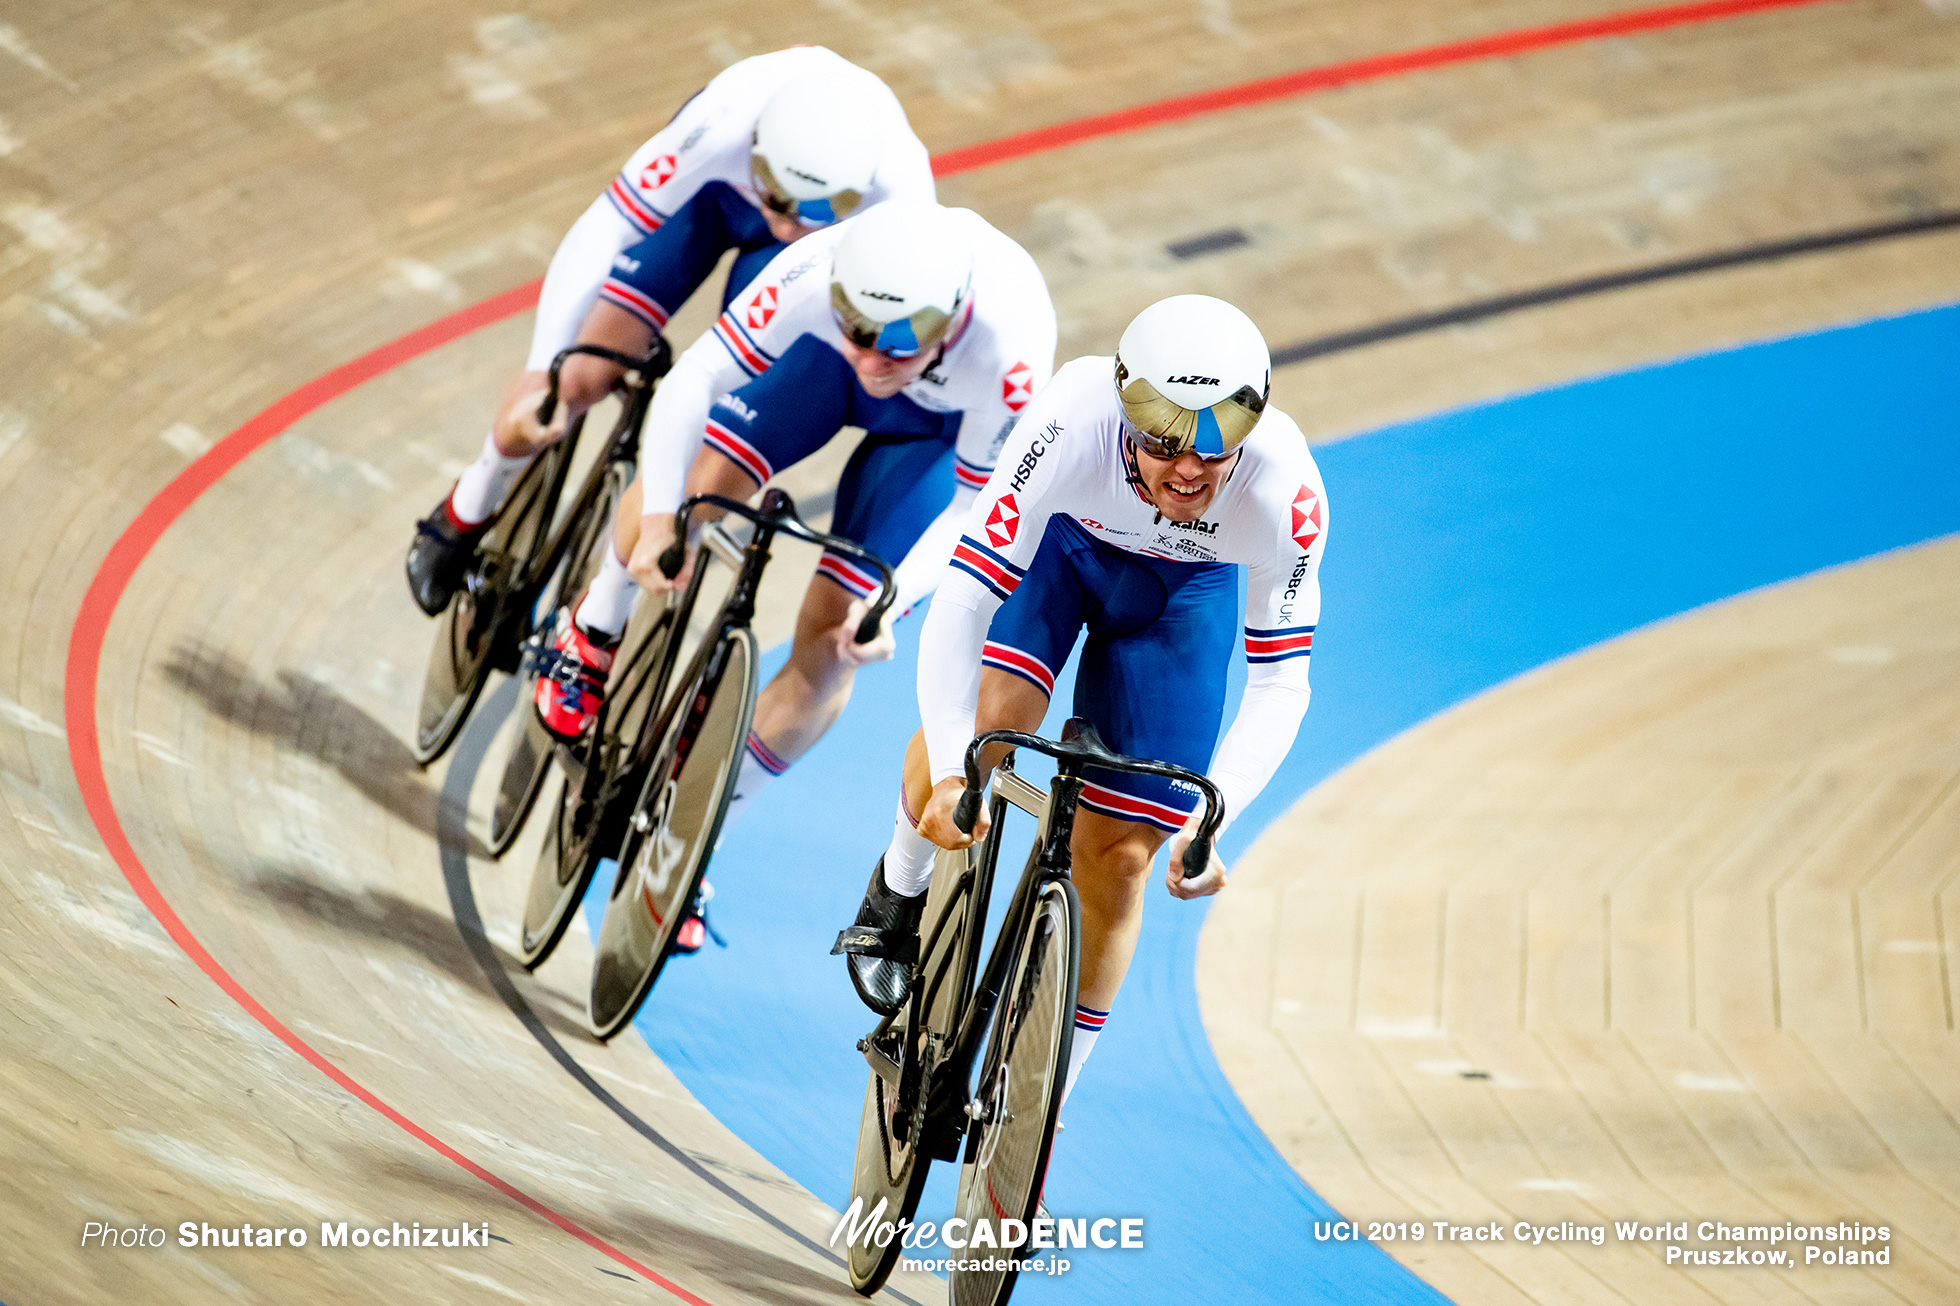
column 901, row 278
column 1193, row 374
column 816, row 148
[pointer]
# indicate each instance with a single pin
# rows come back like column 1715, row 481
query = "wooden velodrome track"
column 206, row 208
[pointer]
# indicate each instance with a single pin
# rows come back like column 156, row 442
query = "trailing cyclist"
column 922, row 325
column 1124, row 502
column 775, row 147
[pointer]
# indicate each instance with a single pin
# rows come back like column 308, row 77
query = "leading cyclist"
column 1127, row 493
column 922, row 325
column 775, row 147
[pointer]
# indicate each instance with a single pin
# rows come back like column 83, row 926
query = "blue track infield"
column 1465, row 549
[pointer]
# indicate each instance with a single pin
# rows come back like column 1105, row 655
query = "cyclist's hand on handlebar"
column 1202, row 886
column 936, row 822
column 656, row 533
column 518, row 423
column 852, row 653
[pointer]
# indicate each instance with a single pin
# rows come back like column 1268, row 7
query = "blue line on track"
column 1465, row 549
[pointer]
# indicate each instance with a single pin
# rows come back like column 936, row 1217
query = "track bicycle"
column 523, row 566
column 649, row 785
column 924, row 1098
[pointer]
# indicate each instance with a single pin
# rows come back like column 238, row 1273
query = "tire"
column 693, row 776
column 889, row 1168
column 485, row 612
column 1020, row 1088
column 530, row 756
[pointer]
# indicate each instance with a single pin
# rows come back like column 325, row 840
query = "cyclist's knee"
column 1118, row 851
column 1007, row 702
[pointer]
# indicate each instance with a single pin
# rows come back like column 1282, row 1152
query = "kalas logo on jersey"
column 658, row 173
column 1003, row 521
column 1306, row 518
column 1017, row 387
column 762, row 308
column 1201, row 527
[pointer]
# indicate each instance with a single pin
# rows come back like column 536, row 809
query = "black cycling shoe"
column 438, row 559
column 881, row 945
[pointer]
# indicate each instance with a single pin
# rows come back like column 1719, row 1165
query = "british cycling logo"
column 979, row 1242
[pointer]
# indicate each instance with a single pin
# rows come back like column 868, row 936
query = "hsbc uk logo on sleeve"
column 1307, row 519
column 1004, row 522
column 1017, row 387
column 762, row 308
column 658, row 173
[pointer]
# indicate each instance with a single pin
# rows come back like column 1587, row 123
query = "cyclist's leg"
column 890, row 491
column 1153, row 684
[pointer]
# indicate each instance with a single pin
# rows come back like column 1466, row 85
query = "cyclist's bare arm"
column 582, row 382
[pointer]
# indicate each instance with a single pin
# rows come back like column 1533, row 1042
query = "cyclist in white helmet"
column 773, row 148
column 1125, row 497
column 922, row 325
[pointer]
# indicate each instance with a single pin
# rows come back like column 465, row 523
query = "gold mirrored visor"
column 1164, row 429
column 902, row 337
column 811, row 213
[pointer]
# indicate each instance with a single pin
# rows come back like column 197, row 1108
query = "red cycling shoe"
column 572, row 680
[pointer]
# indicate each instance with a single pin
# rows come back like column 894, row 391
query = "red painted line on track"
column 119, row 566
column 85, row 745
column 1328, row 76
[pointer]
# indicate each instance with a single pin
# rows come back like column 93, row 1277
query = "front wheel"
column 673, row 830
column 1020, row 1089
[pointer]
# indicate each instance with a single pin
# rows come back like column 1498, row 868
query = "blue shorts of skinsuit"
column 671, row 262
column 1152, row 674
column 900, row 478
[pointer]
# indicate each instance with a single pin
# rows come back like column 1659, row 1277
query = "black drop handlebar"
column 651, row 366
column 1081, row 747
column 778, row 514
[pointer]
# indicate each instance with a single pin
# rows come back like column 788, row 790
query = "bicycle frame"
column 949, row 1074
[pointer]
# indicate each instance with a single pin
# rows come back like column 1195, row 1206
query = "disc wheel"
column 1020, row 1088
column 530, row 755
column 891, row 1166
column 486, row 609
column 673, row 831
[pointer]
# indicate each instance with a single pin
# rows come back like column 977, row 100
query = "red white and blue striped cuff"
column 1089, row 1020
column 1025, row 665
column 971, row 475
column 738, row 451
column 765, row 755
column 1125, row 808
column 636, row 302
column 631, row 207
column 987, row 567
column 1278, row 645
column 854, row 576
column 736, row 341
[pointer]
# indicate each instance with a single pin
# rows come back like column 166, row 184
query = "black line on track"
column 452, row 836
column 1559, row 292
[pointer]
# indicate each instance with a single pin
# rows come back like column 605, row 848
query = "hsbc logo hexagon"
column 658, row 173
column 1307, row 520
column 1003, row 522
column 1017, row 387
column 762, row 308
